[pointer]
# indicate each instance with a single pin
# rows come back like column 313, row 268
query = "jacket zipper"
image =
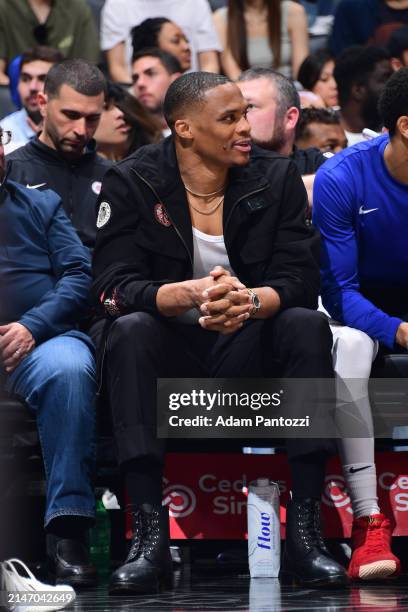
column 167, row 212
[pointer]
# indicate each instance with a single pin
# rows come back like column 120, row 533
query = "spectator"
column 320, row 128
column 153, row 71
column 124, row 126
column 49, row 362
column 63, row 156
column 194, row 19
column 360, row 210
column 361, row 22
column 25, row 123
column 66, row 26
column 164, row 34
column 361, row 74
column 262, row 34
column 316, row 75
column 398, row 48
column 274, row 109
column 203, row 321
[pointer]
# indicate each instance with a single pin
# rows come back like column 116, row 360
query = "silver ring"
column 17, row 352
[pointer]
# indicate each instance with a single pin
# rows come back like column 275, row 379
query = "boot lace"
column 146, row 533
column 318, row 528
column 136, row 548
column 152, row 532
column 309, row 526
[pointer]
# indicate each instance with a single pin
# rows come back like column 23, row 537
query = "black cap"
column 398, row 42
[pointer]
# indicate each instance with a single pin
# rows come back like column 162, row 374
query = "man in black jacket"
column 178, row 224
column 63, row 157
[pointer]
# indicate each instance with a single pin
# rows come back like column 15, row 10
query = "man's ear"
column 291, row 118
column 183, row 129
column 42, row 100
column 402, row 126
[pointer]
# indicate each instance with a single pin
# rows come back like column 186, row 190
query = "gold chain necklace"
column 203, row 195
column 208, row 212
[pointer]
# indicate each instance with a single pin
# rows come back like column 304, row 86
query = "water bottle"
column 263, row 529
column 100, row 538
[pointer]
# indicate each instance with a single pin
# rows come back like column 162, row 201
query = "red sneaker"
column 372, row 558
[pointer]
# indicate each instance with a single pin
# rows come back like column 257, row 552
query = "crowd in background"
column 338, row 63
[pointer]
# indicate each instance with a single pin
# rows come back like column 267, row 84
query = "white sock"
column 361, row 483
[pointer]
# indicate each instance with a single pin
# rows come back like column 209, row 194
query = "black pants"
column 141, row 348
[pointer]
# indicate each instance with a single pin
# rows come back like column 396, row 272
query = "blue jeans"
column 57, row 381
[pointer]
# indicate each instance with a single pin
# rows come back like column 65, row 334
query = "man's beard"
column 66, row 151
column 276, row 142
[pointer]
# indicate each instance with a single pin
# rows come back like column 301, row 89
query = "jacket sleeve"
column 293, row 270
column 121, row 266
column 62, row 308
column 333, row 214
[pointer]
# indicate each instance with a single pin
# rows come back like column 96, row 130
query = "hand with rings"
column 16, row 341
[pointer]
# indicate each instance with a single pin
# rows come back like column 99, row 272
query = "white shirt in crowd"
column 354, row 138
column 21, row 131
column 193, row 16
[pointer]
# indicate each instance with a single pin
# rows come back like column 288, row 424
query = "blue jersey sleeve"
column 335, row 208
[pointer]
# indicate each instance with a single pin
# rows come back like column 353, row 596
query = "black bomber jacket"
column 144, row 236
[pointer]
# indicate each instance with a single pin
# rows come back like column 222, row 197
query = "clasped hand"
column 227, row 304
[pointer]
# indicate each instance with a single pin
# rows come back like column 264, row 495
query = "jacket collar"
column 48, row 154
column 158, row 165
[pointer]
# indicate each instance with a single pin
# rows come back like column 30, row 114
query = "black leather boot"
column 148, row 567
column 68, row 562
column 306, row 559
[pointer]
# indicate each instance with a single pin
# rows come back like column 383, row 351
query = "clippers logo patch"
column 161, row 215
column 104, row 214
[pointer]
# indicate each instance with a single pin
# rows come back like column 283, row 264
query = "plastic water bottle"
column 263, row 529
column 100, row 539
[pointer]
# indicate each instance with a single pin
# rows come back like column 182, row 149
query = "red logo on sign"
column 161, row 215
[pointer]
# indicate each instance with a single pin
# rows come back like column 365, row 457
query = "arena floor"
column 239, row 593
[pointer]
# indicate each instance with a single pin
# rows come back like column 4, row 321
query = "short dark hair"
column 189, row 90
column 287, row 95
column 398, row 42
column 43, row 54
column 393, row 102
column 168, row 61
column 84, row 77
column 146, row 34
column 354, row 66
column 314, row 115
column 311, row 68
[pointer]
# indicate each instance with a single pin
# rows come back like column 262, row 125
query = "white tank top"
column 209, row 251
